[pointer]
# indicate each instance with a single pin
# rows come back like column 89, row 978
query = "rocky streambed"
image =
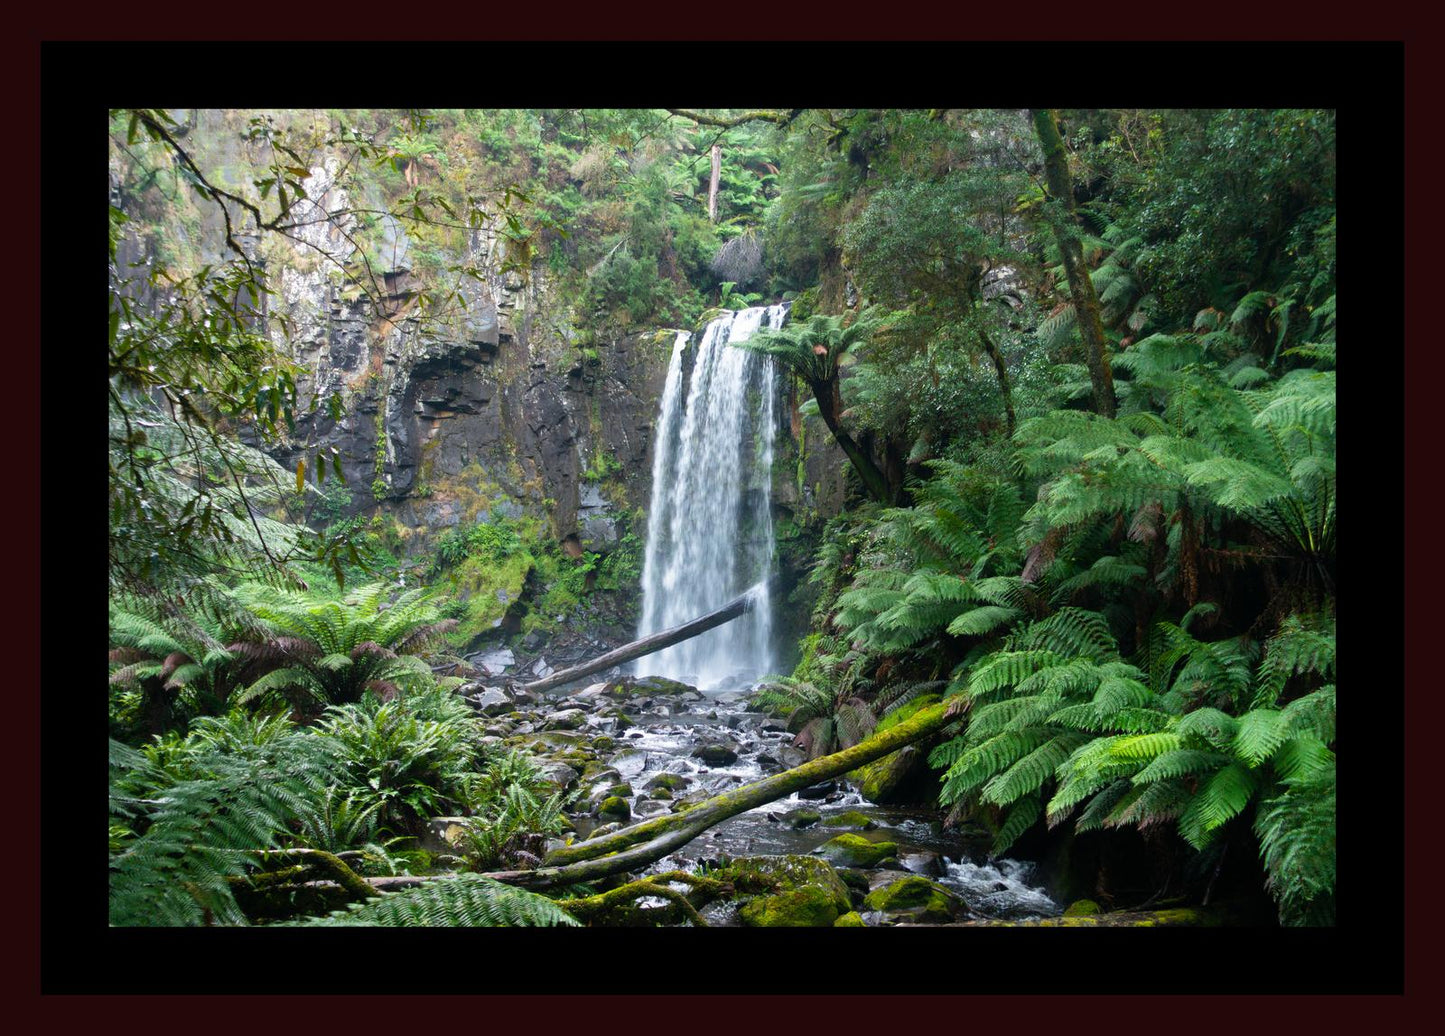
column 630, row 748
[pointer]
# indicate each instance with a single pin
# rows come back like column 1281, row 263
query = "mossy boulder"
column 852, row 919
column 809, row 907
column 801, row 818
column 603, row 743
column 670, row 781
column 561, row 739
column 852, row 820
column 789, row 891
column 615, row 806
column 856, row 851
column 660, row 685
column 916, row 899
column 566, row 719
column 1081, row 908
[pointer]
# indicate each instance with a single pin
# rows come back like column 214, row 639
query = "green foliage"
column 466, row 900
column 400, row 763
column 822, row 722
column 321, row 651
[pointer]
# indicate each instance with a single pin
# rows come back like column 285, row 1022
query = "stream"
column 650, row 740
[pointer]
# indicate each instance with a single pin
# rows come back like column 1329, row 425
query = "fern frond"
column 1021, row 816
column 463, row 901
column 1216, row 803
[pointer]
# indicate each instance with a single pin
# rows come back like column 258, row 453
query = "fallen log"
column 740, row 605
column 651, row 840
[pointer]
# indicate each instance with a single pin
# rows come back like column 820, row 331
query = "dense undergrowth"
column 1096, row 515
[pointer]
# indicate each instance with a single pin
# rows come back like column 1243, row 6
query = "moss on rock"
column 791, row 891
column 856, row 851
column 853, row 820
column 615, row 806
column 852, row 919
column 917, row 898
column 801, row 818
column 1081, row 908
column 808, row 907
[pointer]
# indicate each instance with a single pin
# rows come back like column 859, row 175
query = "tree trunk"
column 826, row 393
column 713, row 181
column 1005, row 384
column 649, row 841
column 739, row 605
column 1081, row 287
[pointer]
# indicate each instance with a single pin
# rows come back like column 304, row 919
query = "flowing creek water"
column 678, row 730
column 661, row 748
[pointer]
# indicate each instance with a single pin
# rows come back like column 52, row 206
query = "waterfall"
column 710, row 527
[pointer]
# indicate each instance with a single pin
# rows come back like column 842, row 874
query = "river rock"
column 902, row 776
column 716, row 753
column 927, row 863
column 818, row 791
column 630, row 764
column 661, row 685
column 493, row 701
column 801, row 818
column 566, row 719
column 667, row 782
column 855, row 851
column 791, row 757
column 852, row 820
column 916, row 899
column 615, row 806
column 560, row 775
column 793, row 891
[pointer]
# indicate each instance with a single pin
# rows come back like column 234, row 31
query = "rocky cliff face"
column 482, row 403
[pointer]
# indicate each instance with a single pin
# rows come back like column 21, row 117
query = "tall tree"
column 1063, row 218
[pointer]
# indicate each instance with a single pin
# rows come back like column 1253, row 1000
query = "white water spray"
column 710, row 527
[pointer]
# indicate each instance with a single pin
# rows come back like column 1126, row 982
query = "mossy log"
column 644, row 843
column 641, row 844
column 739, row 605
column 589, row 908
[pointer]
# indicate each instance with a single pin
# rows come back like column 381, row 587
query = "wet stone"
column 716, row 754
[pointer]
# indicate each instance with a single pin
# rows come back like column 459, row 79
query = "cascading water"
column 710, row 528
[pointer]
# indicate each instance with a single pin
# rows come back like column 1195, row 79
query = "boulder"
column 559, row 775
column 566, row 719
column 818, row 791
column 916, row 899
column 801, row 818
column 927, row 863
column 615, row 806
column 852, row 820
column 789, row 891
column 716, row 753
column 856, row 851
column 493, row 701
